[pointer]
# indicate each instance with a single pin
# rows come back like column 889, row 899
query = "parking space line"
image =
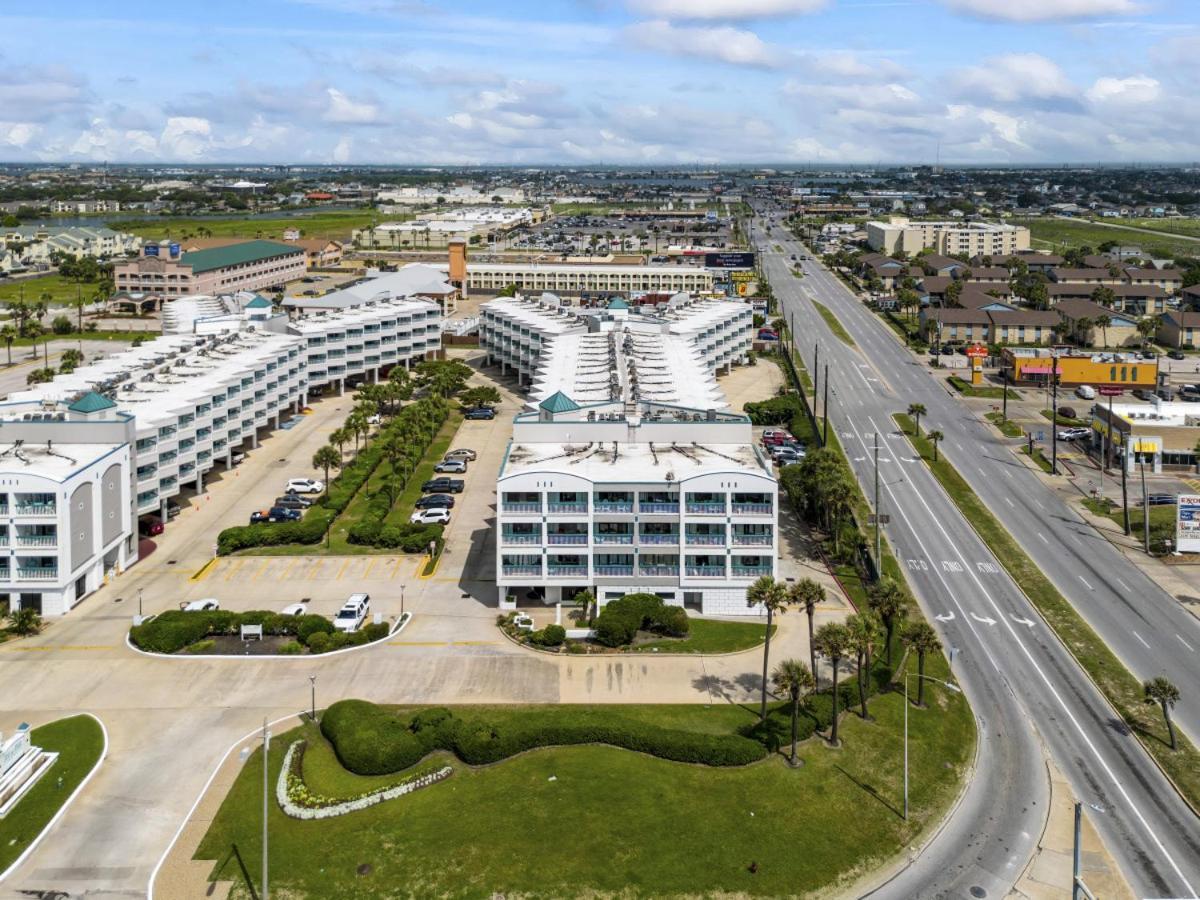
column 313, row 569
column 370, row 565
column 396, row 567
column 233, row 569
column 287, row 570
column 342, row 570
column 257, row 575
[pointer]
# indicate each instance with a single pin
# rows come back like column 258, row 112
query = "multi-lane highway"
column 1024, row 685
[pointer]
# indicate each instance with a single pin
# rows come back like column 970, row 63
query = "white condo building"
column 629, row 473
column 147, row 422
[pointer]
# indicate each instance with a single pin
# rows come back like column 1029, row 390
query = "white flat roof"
column 58, row 463
column 634, row 462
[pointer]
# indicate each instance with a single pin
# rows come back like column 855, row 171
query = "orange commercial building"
column 1036, row 365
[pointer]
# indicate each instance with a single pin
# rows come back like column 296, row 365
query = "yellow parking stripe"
column 47, row 647
column 207, row 569
column 314, row 569
column 233, row 569
column 288, row 569
column 342, row 570
column 418, row 643
column 370, row 565
column 395, row 567
column 257, row 575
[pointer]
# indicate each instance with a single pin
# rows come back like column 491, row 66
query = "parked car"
column 443, row 486
column 294, row 609
column 431, row 501
column 375, row 419
column 1176, row 354
column 1160, row 500
column 273, row 515
column 787, row 455
column 1085, row 392
column 292, row 495
column 481, row 412
column 454, row 466
column 208, row 603
column 1166, row 393
column 438, row 516
column 353, row 612
column 292, row 501
column 462, row 453
column 1144, row 394
column 1073, row 434
column 149, row 526
column 304, row 486
column 236, row 459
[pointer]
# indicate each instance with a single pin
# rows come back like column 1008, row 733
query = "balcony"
column 562, row 571
column 706, row 540
column 509, row 538
column 36, row 509
column 599, row 538
column 513, row 571
column 37, row 573
column 671, row 509
column 706, row 508
column 36, row 540
column 752, row 540
column 658, row 538
column 566, row 538
column 614, row 506
column 750, row 571
column 658, row 570
column 752, row 509
column 610, row 571
column 559, row 507
column 521, row 506
column 706, row 571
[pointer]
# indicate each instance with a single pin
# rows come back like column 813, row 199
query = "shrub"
column 309, row 624
column 318, row 641
column 376, row 632
column 61, row 325
column 171, row 631
column 670, row 620
column 621, row 619
column 200, row 647
column 292, row 648
column 550, row 636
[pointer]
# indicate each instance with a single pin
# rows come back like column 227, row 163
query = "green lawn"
column 967, row 389
column 1007, row 427
column 1059, row 234
column 1189, row 227
column 424, row 471
column 588, row 820
column 61, row 290
column 1039, row 457
column 1117, row 683
column 832, row 321
column 711, row 636
column 1162, row 518
column 1063, row 420
column 334, row 225
column 79, row 741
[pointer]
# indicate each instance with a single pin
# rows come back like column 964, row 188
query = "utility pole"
column 825, row 410
column 1054, row 416
column 266, row 745
column 878, row 511
column 1145, row 511
column 1003, row 390
column 816, row 375
column 1076, row 856
column 1124, row 490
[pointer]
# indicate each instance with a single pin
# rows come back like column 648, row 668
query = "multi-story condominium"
column 578, row 278
column 162, row 272
column 166, row 413
column 629, row 473
column 948, row 238
column 85, row 206
column 39, row 243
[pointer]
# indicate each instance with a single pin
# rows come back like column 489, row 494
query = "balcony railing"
column 706, row 571
column 521, row 538
column 613, row 538
column 760, row 540
column 658, row 538
column 36, row 573
column 522, row 570
column 521, row 506
column 750, row 571
column 613, row 570
column 36, row 509
column 557, row 571
column 556, row 507
column 706, row 508
column 752, row 508
column 36, row 540
column 652, row 507
column 566, row 538
column 614, row 506
column 708, row 540
column 658, row 570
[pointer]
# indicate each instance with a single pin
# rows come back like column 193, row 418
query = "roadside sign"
column 1187, row 523
column 883, row 519
column 977, row 350
column 1110, row 391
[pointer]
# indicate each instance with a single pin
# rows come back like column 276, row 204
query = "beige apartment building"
column 972, row 238
column 163, row 272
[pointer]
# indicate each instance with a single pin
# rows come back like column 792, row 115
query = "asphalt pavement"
column 1025, row 687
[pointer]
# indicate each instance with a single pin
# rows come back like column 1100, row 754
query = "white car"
column 304, row 486
column 353, row 612
column 208, row 603
column 294, row 609
column 438, row 516
column 454, row 466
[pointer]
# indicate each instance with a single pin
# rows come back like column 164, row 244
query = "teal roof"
column 617, row 303
column 238, row 254
column 91, row 402
column 259, row 302
column 558, row 402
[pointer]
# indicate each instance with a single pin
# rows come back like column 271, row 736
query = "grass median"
column 834, row 324
column 967, row 389
column 1007, row 427
column 1115, row 681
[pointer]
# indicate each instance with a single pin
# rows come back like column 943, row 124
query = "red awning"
column 1036, row 370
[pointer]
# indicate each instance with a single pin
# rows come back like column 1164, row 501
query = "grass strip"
column 711, row 636
column 832, row 321
column 986, row 393
column 79, row 741
column 1063, row 420
column 405, row 503
column 1038, row 457
column 1007, row 427
column 1115, row 681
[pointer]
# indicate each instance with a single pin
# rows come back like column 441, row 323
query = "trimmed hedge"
column 372, row 740
column 176, row 630
column 622, row 619
column 408, row 537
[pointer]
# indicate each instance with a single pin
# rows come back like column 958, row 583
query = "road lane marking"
column 1085, row 584
column 1123, row 585
column 1009, row 502
column 1043, row 538
column 986, row 620
column 1186, row 644
column 1143, row 640
column 418, row 643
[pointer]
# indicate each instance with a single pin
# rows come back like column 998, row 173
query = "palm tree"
column 808, row 593
column 773, row 595
column 935, row 436
column 1147, row 327
column 833, row 640
column 8, row 334
column 864, row 632
column 916, row 410
column 326, row 458
column 921, row 638
column 1160, row 690
column 794, row 678
column 1102, row 322
column 25, row 621
column 888, row 602
column 339, row 437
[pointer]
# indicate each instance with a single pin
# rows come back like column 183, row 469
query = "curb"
column 399, row 625
column 65, row 804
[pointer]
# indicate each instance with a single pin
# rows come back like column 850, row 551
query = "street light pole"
column 907, row 676
column 266, row 746
column 878, row 512
column 139, row 603
column 312, row 680
column 825, row 410
column 1145, row 510
column 1054, row 416
column 402, row 601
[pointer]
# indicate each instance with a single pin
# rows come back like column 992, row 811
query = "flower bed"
column 177, row 630
column 297, row 801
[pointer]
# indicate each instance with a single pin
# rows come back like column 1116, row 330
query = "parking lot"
column 594, row 235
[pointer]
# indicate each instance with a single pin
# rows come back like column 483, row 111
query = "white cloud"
column 853, row 96
column 724, row 44
column 1044, row 10
column 1015, row 77
column 344, row 111
column 17, row 134
column 725, row 9
column 848, row 64
column 343, row 152
column 185, row 138
column 1135, row 90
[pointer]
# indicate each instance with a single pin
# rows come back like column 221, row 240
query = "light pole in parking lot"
column 402, row 601
column 312, row 681
column 139, row 603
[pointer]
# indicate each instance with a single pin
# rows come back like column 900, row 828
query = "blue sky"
column 639, row 82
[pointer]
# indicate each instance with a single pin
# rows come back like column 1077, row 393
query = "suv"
column 481, row 412
column 455, row 466
column 443, row 486
column 292, row 501
column 1073, row 434
column 275, row 514
column 435, row 501
column 438, row 516
column 304, row 486
column 149, row 526
column 350, row 617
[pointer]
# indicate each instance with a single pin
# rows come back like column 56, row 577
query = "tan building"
column 970, row 238
column 1178, row 328
column 1170, row 280
column 1081, row 316
column 562, row 278
column 1093, row 277
column 164, row 271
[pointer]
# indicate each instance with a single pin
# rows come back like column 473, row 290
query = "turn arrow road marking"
column 948, row 617
column 986, row 620
column 1026, row 622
